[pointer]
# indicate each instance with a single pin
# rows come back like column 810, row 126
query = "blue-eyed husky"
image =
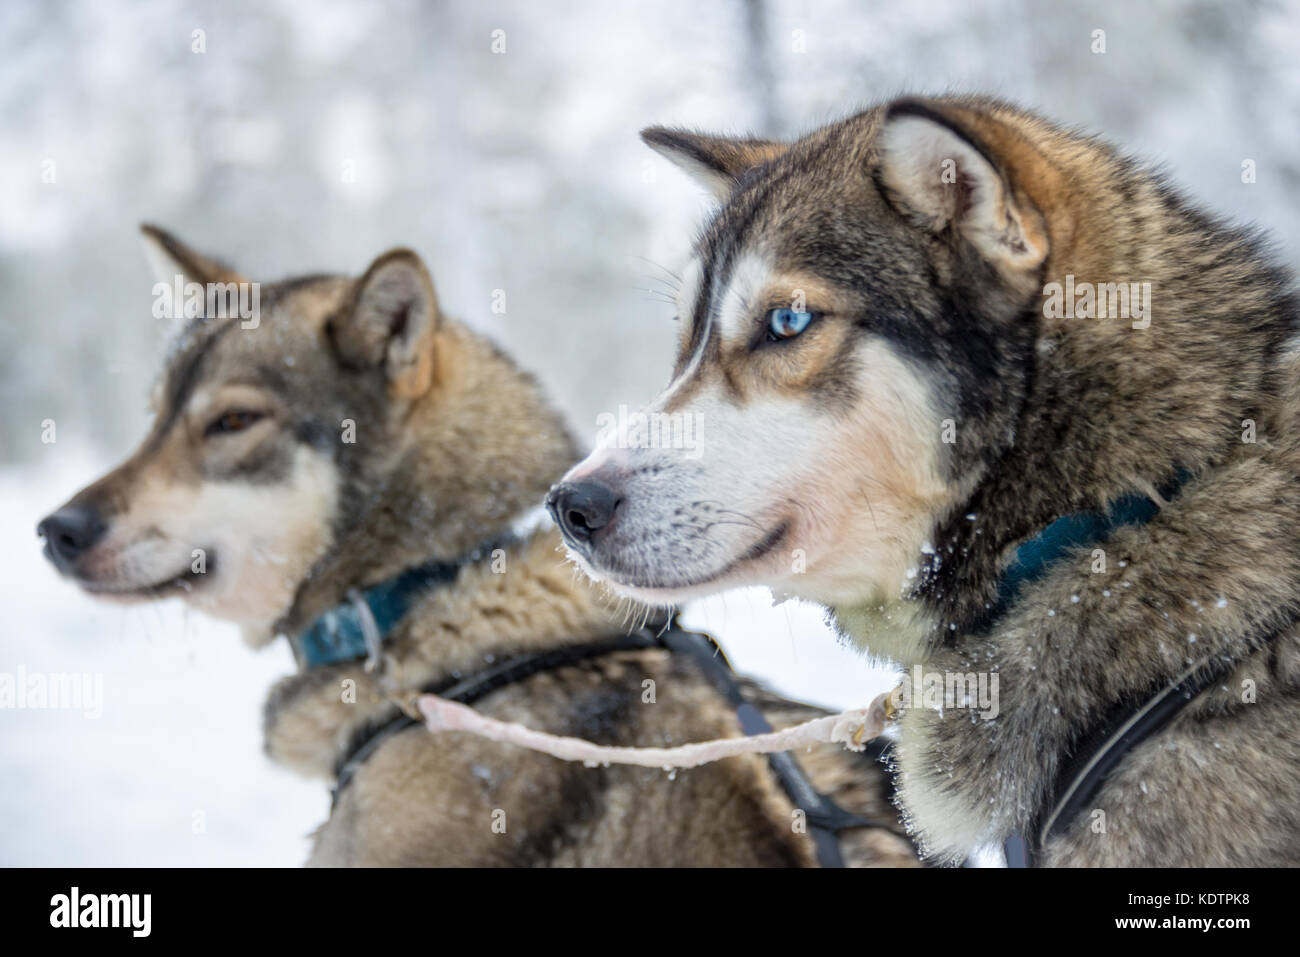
column 1011, row 408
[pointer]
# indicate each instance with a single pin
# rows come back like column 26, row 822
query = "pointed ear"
column 941, row 177
column 390, row 321
column 715, row 161
column 169, row 257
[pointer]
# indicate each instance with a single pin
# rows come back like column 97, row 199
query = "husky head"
column 852, row 354
column 239, row 486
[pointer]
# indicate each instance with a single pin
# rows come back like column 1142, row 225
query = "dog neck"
column 1110, row 406
column 524, row 600
column 1207, row 390
column 478, row 452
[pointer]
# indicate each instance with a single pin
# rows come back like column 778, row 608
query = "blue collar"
column 358, row 627
column 1036, row 555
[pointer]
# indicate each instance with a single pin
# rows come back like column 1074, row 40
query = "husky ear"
column 715, row 161
column 940, row 177
column 390, row 321
column 169, row 257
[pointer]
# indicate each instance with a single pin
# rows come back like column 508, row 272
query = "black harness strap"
column 825, row 818
column 1099, row 751
column 469, row 690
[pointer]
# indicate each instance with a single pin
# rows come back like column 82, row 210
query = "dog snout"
column 583, row 510
column 70, row 532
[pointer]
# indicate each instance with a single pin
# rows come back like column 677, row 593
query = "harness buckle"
column 369, row 631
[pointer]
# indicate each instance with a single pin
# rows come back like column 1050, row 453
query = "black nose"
column 582, row 509
column 69, row 532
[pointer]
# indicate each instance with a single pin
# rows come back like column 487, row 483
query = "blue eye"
column 786, row 323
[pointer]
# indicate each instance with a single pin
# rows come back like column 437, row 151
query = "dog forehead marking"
column 687, row 298
column 741, row 297
column 689, row 288
column 729, row 311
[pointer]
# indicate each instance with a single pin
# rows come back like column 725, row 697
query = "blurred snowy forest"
column 521, row 170
column 500, row 140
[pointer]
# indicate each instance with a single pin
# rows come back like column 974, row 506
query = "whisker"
column 675, row 277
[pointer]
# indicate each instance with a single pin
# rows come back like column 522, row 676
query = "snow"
column 172, row 773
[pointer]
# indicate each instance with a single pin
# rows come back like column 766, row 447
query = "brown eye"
column 234, row 421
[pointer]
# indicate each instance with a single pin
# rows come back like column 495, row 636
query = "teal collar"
column 1036, row 555
column 358, row 627
column 1097, row 750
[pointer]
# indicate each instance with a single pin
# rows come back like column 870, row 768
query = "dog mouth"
column 631, row 577
column 182, row 583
